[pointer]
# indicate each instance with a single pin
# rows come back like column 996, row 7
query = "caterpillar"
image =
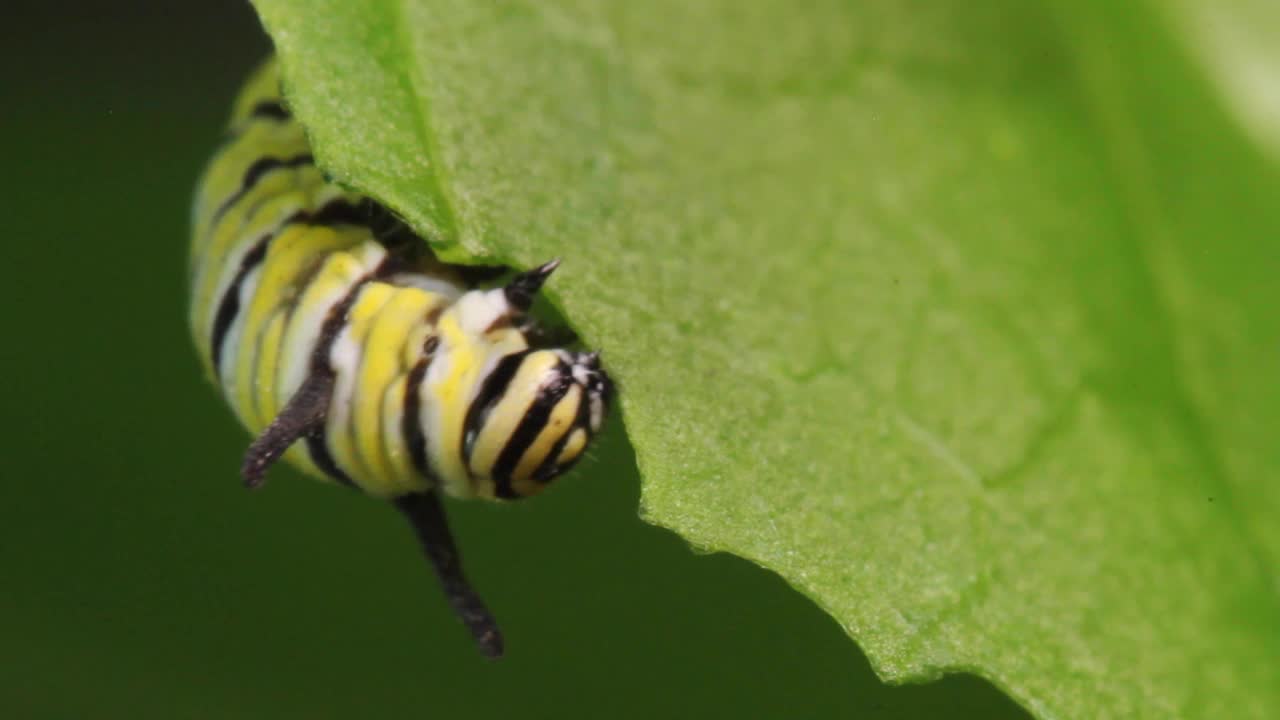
column 347, row 348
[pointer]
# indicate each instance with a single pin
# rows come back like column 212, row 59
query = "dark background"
column 141, row 581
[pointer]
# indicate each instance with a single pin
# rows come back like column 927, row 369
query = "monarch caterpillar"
column 347, row 348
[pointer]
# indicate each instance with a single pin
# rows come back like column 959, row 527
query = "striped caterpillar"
column 348, row 349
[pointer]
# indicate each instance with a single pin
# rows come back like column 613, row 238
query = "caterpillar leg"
column 426, row 514
column 304, row 411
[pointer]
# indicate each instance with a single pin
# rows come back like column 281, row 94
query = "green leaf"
column 959, row 316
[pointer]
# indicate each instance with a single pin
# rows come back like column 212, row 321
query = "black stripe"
column 253, row 174
column 318, row 449
column 548, row 470
column 535, row 418
column 334, row 212
column 491, row 392
column 405, row 248
column 340, row 211
column 250, row 211
column 317, row 443
column 475, row 275
column 265, row 110
column 411, row 428
column 230, row 304
column 333, row 324
column 270, row 110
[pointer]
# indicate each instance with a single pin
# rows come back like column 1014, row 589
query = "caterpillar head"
column 534, row 412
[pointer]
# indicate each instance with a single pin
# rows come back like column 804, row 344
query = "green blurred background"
column 141, row 581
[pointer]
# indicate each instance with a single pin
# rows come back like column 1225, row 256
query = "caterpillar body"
column 347, row 348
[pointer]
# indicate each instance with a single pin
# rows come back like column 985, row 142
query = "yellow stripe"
column 227, row 167
column 226, row 171
column 379, row 367
column 245, row 225
column 462, row 356
column 263, row 385
column 459, row 359
column 344, row 423
column 295, row 252
column 338, row 273
column 510, row 410
column 404, row 477
column 328, row 286
column 334, row 279
column 559, row 422
column 573, row 448
column 263, row 84
column 279, row 272
column 275, row 196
